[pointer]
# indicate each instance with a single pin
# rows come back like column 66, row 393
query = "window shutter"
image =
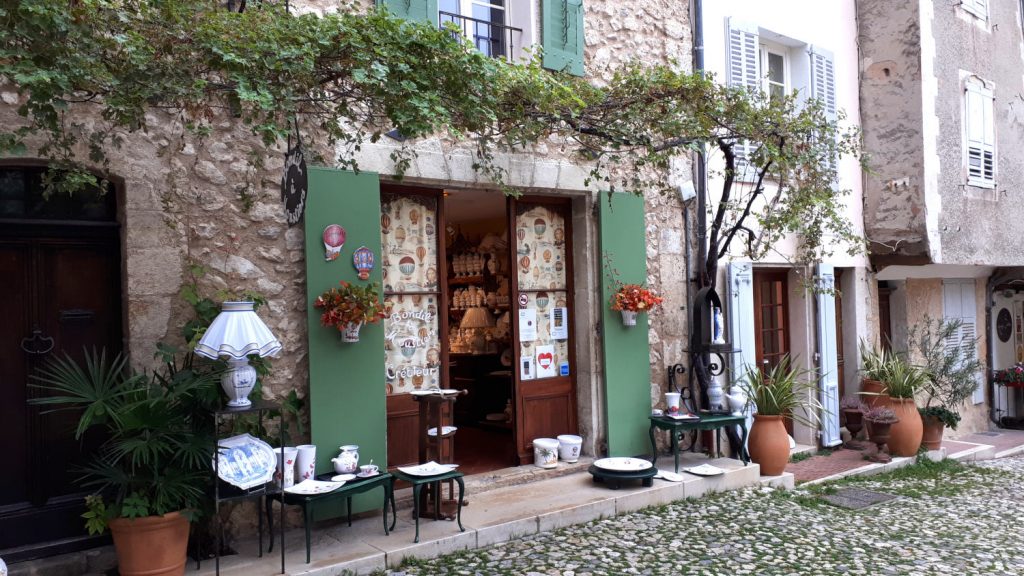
column 417, row 10
column 958, row 303
column 563, row 35
column 740, row 314
column 823, row 80
column 828, row 356
column 977, row 7
column 744, row 70
column 979, row 131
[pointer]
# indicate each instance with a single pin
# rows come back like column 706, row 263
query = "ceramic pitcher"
column 347, row 461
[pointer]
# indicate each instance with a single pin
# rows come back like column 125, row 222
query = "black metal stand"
column 232, row 494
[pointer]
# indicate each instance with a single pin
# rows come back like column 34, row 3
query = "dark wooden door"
column 61, row 293
column 771, row 320
column 545, row 404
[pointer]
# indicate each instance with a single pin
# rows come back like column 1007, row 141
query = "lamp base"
column 238, row 382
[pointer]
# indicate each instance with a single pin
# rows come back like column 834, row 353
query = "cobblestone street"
column 948, row 519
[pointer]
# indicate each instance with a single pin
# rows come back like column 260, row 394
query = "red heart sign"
column 545, row 359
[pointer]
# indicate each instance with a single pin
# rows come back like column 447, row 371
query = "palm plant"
column 784, row 390
column 903, row 379
column 158, row 429
column 872, row 361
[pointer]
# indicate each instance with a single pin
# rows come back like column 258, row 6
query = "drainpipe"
column 700, row 176
column 990, row 387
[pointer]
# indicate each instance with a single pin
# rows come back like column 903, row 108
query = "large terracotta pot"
column 905, row 436
column 933, row 428
column 875, row 393
column 768, row 444
column 151, row 546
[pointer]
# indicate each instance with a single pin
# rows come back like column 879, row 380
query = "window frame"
column 978, row 90
column 765, row 51
column 976, row 8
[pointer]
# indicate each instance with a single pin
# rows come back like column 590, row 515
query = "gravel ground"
column 949, row 519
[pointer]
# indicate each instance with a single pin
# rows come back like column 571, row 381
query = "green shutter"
column 627, row 369
column 425, row 10
column 346, row 381
column 563, row 35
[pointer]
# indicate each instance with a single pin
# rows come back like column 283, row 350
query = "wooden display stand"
column 436, row 412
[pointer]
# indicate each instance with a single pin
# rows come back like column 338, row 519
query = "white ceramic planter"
column 305, row 462
column 545, row 452
column 569, row 446
column 285, row 475
column 350, row 333
column 628, row 317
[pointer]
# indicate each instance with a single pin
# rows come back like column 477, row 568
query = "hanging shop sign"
column 362, row 259
column 334, row 239
column 294, row 184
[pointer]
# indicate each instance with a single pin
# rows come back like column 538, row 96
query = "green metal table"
column 712, row 422
column 352, row 487
column 418, row 482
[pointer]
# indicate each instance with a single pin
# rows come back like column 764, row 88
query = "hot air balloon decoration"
column 362, row 259
column 539, row 226
column 542, row 300
column 521, row 234
column 421, row 252
column 559, row 236
column 400, row 235
column 414, row 216
column 524, row 263
column 334, row 239
column 558, row 266
column 407, row 265
column 408, row 348
column 385, row 223
column 547, row 256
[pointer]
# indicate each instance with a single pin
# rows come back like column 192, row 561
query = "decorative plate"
column 669, row 476
column 682, row 416
column 343, row 478
column 705, row 470
column 623, row 464
column 430, row 391
column 245, row 461
column 312, row 487
column 362, row 475
column 429, row 469
column 445, row 430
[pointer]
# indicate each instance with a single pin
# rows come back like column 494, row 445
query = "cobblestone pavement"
column 949, row 519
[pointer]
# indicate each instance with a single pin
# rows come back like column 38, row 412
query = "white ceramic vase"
column 305, row 462
column 238, row 381
column 628, row 317
column 350, row 333
column 285, row 474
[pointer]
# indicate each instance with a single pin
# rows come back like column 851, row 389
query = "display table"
column 418, row 482
column 712, row 422
column 351, row 488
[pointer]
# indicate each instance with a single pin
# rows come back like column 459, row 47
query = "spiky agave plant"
column 784, row 390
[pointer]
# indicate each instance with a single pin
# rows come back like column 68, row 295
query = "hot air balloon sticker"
column 400, row 235
column 362, row 259
column 524, row 263
column 385, row 223
column 539, row 226
column 542, row 300
column 407, row 265
column 521, row 234
column 334, row 239
column 421, row 252
column 430, row 230
column 536, row 274
column 559, row 236
column 547, row 256
column 408, row 347
column 414, row 216
column 558, row 266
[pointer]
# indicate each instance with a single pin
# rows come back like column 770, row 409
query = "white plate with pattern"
column 429, row 469
column 310, row 487
column 245, row 461
column 623, row 464
column 705, row 470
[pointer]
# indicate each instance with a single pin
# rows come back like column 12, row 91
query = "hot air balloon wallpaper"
column 414, row 217
column 385, row 223
column 407, row 265
column 547, row 256
column 539, row 226
column 421, row 252
column 542, row 300
column 524, row 263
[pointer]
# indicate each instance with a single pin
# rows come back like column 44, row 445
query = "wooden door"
column 771, row 320
column 545, row 389
column 61, row 293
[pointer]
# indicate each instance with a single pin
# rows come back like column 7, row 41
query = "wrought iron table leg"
column 654, row 446
column 416, row 489
column 305, row 522
column 269, row 506
column 675, row 447
column 458, row 514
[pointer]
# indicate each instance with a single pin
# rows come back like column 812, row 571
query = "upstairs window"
column 484, row 23
column 775, row 67
column 979, row 134
column 978, row 8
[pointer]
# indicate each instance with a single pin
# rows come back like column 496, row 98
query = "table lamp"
column 235, row 334
column 474, row 319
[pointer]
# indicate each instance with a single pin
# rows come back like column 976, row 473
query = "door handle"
column 40, row 344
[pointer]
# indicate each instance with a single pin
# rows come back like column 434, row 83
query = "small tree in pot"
column 950, row 362
column 782, row 391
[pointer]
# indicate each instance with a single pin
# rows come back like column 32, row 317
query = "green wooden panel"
column 627, row 369
column 346, row 381
column 562, row 31
column 425, row 10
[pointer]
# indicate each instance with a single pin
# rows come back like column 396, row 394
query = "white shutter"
column 977, row 7
column 828, row 356
column 979, row 132
column 744, row 68
column 823, row 79
column 958, row 303
column 740, row 314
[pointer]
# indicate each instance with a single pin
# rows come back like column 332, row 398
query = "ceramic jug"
column 347, row 461
column 737, row 401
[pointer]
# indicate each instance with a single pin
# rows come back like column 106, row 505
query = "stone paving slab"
column 857, row 498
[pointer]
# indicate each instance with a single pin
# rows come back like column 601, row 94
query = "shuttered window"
column 979, row 134
column 563, row 35
column 959, row 303
column 423, row 10
column 977, row 7
column 744, row 68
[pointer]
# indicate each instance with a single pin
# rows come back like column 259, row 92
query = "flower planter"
column 350, row 333
column 629, row 317
column 878, row 432
column 905, row 436
column 150, row 546
column 768, row 444
column 854, row 422
column 932, row 435
column 873, row 393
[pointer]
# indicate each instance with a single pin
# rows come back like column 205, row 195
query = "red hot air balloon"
column 524, row 262
column 385, row 223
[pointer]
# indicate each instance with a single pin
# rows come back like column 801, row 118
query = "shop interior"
column 479, row 329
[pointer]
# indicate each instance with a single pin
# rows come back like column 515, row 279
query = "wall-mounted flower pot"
column 350, row 333
column 629, row 317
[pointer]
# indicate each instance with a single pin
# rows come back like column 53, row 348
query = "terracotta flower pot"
column 150, row 546
column 905, row 436
column 878, row 432
column 875, row 393
column 933, row 428
column 769, row 444
column 854, row 421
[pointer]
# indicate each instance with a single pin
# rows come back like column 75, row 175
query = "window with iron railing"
column 484, row 23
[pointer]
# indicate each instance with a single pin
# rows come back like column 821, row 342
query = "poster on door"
column 546, row 362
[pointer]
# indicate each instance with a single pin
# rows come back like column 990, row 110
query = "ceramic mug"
column 305, row 462
column 672, row 401
column 368, row 469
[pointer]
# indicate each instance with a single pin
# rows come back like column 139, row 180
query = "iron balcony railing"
column 494, row 39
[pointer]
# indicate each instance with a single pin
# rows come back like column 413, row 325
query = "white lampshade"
column 236, row 333
column 477, row 318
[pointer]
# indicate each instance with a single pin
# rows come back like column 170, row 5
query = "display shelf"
column 466, row 280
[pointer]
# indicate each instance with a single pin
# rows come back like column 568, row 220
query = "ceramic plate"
column 669, row 476
column 429, row 469
column 342, row 477
column 312, row 487
column 245, row 461
column 445, row 430
column 682, row 416
column 361, row 475
column 444, row 392
column 705, row 470
column 623, row 464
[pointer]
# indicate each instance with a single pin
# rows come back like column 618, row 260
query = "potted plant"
column 349, row 306
column 872, row 370
column 782, row 391
column 879, row 423
column 952, row 371
column 852, row 409
column 632, row 299
column 152, row 472
column 903, row 380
